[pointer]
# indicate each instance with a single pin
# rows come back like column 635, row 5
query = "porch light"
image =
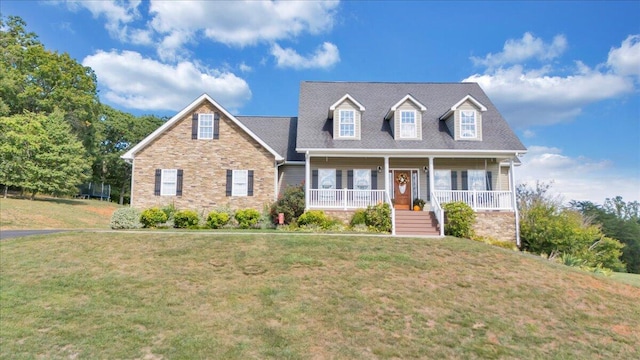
column 425, row 168
column 379, row 169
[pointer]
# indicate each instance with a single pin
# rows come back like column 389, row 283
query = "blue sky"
column 565, row 75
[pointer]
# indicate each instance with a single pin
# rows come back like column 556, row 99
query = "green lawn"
column 632, row 279
column 294, row 296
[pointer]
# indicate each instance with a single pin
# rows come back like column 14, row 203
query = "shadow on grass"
column 51, row 200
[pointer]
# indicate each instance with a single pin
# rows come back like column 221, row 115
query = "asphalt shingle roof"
column 278, row 132
column 315, row 129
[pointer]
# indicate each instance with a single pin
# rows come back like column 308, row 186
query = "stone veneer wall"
column 342, row 215
column 204, row 164
column 500, row 225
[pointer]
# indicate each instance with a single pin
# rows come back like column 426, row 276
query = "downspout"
column 512, row 185
column 307, row 179
column 132, row 162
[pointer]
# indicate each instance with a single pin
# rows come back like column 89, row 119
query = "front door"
column 402, row 189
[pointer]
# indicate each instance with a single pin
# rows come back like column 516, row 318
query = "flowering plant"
column 402, row 179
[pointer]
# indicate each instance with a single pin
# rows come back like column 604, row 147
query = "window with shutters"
column 205, row 126
column 476, row 180
column 169, row 182
column 240, row 184
column 442, row 180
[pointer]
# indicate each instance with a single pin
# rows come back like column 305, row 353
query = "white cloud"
column 540, row 96
column 135, row 82
column 324, row 57
column 625, row 60
column 244, row 67
column 116, row 13
column 518, row 50
column 577, row 178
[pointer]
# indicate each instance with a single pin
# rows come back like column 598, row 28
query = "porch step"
column 422, row 223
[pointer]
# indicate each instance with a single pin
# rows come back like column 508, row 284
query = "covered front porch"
column 340, row 182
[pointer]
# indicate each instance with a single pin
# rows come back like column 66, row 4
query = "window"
column 408, row 124
column 169, row 182
column 327, row 179
column 476, row 180
column 362, row 179
column 347, row 123
column 240, row 184
column 205, row 126
column 468, row 124
column 442, row 179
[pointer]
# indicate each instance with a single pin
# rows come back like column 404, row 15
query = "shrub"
column 359, row 218
column 378, row 217
column 459, row 219
column 247, row 218
column 314, row 218
column 217, row 219
column 169, row 210
column 153, row 217
column 125, row 218
column 290, row 203
column 186, row 219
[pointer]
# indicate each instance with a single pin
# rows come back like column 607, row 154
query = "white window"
column 240, row 184
column 468, row 124
column 168, row 182
column 205, row 126
column 442, row 179
column 362, row 179
column 408, row 124
column 347, row 123
column 326, row 179
column 476, row 180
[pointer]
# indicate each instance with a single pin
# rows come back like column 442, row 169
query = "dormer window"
column 468, row 126
column 347, row 123
column 408, row 124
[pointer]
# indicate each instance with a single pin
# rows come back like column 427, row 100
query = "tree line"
column 54, row 132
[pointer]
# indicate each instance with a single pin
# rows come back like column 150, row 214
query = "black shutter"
column 216, row 125
column 428, row 185
column 229, row 182
column 314, row 179
column 156, row 190
column 194, row 126
column 250, row 183
column 338, row 179
column 374, row 180
column 454, row 180
column 465, row 181
column 179, row 183
column 489, row 184
column 349, row 179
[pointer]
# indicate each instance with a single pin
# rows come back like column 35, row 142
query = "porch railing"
column 344, row 198
column 393, row 212
column 438, row 211
column 478, row 200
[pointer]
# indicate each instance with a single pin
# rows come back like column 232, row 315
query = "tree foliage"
column 548, row 228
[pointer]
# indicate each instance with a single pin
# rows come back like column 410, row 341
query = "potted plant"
column 418, row 204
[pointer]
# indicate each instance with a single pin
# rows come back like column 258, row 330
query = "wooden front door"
column 402, row 189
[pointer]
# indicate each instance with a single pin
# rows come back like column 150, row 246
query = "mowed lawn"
column 289, row 296
column 55, row 213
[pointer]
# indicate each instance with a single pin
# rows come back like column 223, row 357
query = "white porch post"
column 307, row 180
column 514, row 201
column 386, row 175
column 431, row 178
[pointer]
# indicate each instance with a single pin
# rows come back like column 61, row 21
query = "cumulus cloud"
column 541, row 96
column 324, row 57
column 136, row 82
column 116, row 13
column 577, row 178
column 519, row 50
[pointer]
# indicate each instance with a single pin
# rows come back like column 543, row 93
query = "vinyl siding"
column 290, row 175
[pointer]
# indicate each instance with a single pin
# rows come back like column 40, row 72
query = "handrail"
column 437, row 209
column 387, row 199
column 478, row 200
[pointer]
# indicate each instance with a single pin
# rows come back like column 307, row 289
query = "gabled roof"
column 278, row 132
column 342, row 99
column 315, row 128
column 129, row 155
column 464, row 99
column 395, row 106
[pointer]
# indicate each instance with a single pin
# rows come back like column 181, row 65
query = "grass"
column 631, row 279
column 285, row 296
column 53, row 213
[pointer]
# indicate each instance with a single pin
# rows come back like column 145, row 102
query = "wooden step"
column 423, row 223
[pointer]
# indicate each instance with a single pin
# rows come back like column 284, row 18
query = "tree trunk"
column 33, row 195
column 6, row 190
column 122, row 190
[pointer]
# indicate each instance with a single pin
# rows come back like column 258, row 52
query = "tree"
column 40, row 154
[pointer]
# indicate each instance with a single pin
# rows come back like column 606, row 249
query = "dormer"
column 405, row 119
column 347, row 117
column 464, row 119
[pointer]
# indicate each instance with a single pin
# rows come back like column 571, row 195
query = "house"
column 353, row 144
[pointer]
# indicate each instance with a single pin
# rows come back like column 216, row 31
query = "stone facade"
column 499, row 225
column 343, row 215
column 204, row 164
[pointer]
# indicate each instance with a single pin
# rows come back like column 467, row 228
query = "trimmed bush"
column 459, row 219
column 217, row 219
column 184, row 219
column 314, row 218
column 153, row 217
column 125, row 218
column 290, row 203
column 247, row 218
column 359, row 218
column 378, row 217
